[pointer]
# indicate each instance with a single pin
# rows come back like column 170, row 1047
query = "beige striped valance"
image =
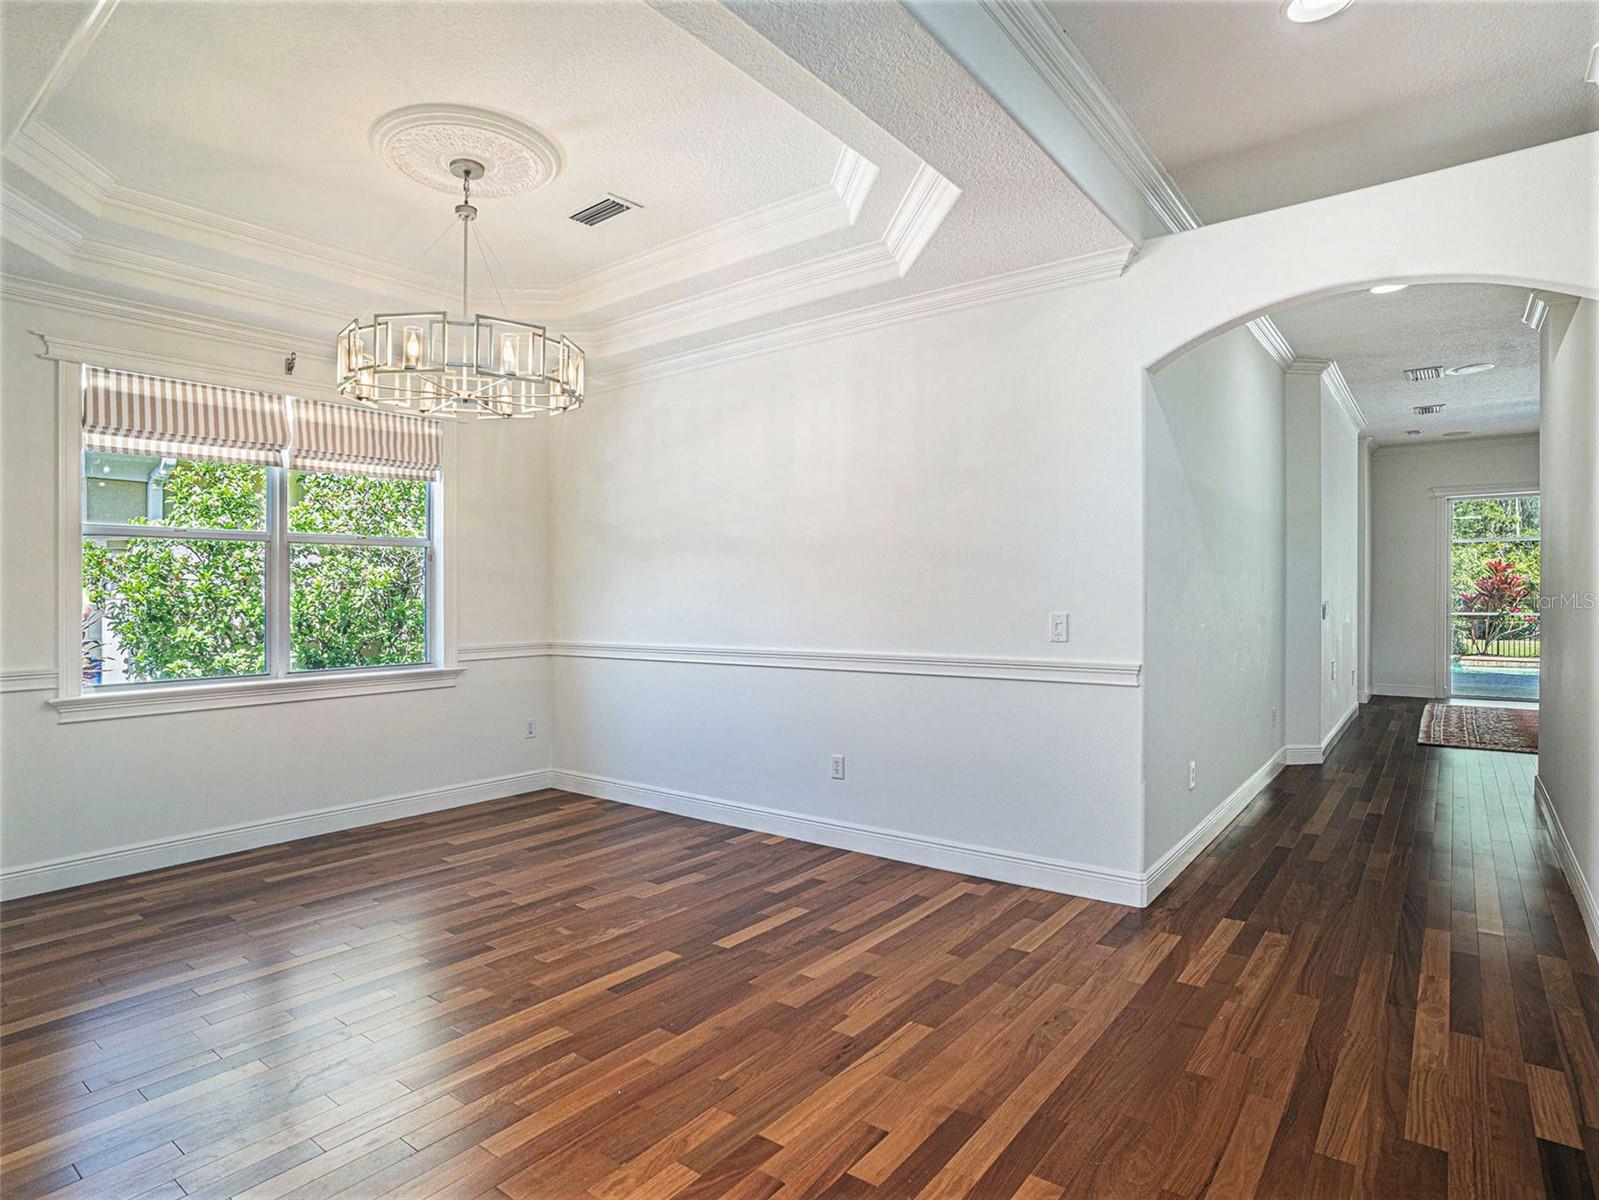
column 364, row 441
column 127, row 413
column 145, row 414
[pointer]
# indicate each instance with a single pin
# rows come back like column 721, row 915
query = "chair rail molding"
column 1027, row 670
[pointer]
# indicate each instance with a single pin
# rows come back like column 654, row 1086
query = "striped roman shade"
column 346, row 440
column 146, row 414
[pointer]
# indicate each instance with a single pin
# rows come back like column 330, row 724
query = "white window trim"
column 73, row 704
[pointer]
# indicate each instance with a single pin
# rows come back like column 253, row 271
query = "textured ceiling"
column 1375, row 338
column 262, row 111
column 1249, row 111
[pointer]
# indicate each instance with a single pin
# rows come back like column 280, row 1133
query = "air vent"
column 1412, row 433
column 1427, row 410
column 1458, row 433
column 602, row 210
column 1422, row 374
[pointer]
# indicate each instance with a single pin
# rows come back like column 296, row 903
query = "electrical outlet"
column 838, row 766
column 1193, row 775
column 532, row 728
column 1274, row 716
column 1060, row 627
column 1332, row 674
column 1351, row 676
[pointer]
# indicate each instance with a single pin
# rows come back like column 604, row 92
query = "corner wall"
column 1215, row 537
column 1568, row 763
column 854, row 548
column 105, row 798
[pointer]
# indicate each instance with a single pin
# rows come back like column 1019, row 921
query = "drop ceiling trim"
column 1029, row 281
column 1063, row 68
column 1057, row 61
column 59, row 165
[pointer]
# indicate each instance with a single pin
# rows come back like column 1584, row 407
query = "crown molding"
column 1071, row 272
column 1272, row 341
column 811, row 214
column 1337, row 387
column 1066, row 72
column 921, row 211
column 56, row 163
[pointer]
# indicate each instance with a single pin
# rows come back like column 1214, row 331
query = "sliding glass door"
column 1493, row 597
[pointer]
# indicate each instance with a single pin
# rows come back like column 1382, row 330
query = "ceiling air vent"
column 1427, row 410
column 1421, row 374
column 602, row 210
column 1458, row 433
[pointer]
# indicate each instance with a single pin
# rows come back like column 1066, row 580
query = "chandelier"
column 437, row 365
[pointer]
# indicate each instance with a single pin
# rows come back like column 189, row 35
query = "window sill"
column 198, row 697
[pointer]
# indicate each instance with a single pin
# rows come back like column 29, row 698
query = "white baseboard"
column 167, row 852
column 1006, row 866
column 1172, row 864
column 1409, row 691
column 1568, row 862
column 1310, row 754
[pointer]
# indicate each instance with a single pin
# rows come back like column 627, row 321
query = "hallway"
column 1374, row 984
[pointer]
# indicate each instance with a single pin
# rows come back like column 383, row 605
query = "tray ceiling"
column 219, row 157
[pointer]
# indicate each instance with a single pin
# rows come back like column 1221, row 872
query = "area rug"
column 1474, row 727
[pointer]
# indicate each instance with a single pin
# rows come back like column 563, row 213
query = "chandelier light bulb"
column 413, row 347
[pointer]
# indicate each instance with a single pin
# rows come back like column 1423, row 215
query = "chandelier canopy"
column 438, row 365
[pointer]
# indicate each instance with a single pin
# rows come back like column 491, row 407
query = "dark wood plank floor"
column 1376, row 983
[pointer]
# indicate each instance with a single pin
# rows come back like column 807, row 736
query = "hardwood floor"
column 1376, row 983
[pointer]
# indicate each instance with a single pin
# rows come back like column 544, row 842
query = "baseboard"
column 1006, row 866
column 1407, row 691
column 1311, row 754
column 1568, row 862
column 1172, row 864
column 168, row 852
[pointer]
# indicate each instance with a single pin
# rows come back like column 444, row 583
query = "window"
column 286, row 538
column 1494, row 570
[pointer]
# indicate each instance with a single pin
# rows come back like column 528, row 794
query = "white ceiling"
column 1249, row 111
column 1375, row 338
column 217, row 156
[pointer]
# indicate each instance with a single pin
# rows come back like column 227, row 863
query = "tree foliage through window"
column 195, row 608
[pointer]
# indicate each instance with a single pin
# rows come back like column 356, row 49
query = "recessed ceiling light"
column 1303, row 12
column 1470, row 369
column 1386, row 289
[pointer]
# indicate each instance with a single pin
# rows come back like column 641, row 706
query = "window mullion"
column 277, row 573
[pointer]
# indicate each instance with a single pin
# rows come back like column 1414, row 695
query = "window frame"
column 280, row 683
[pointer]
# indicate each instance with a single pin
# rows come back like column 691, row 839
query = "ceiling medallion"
column 440, row 365
column 423, row 139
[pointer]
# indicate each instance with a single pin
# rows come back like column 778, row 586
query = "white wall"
column 1214, row 577
column 1322, row 449
column 1408, row 602
column 1340, row 565
column 84, row 791
column 1568, row 765
column 932, row 488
